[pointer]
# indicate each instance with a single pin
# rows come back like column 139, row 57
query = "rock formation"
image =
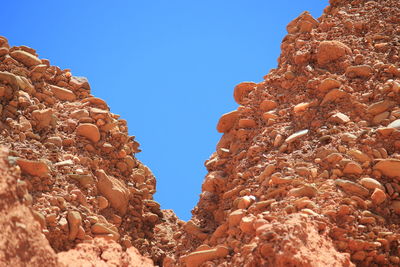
column 306, row 173
column 75, row 158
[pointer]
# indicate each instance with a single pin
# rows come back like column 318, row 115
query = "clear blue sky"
column 167, row 67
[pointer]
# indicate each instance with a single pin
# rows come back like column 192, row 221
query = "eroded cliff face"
column 75, row 157
column 306, row 173
column 307, row 170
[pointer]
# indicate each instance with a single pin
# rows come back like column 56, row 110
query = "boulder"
column 329, row 84
column 389, row 167
column 371, row 183
column 333, row 95
column 33, row 167
column 195, row 259
column 247, row 123
column 44, row 118
column 235, row 217
column 267, row 105
column 74, row 221
column 360, row 71
column 380, row 107
column 353, row 168
column 352, row 188
column 88, row 130
column 10, row 78
column 114, row 191
column 303, row 23
column 378, row 196
column 227, row 121
column 62, row 93
column 242, row 90
column 25, row 58
column 329, row 51
column 79, row 83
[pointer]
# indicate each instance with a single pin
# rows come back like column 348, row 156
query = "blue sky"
column 167, row 67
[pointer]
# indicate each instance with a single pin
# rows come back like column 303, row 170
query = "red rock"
column 270, row 115
column 235, row 217
column 19, row 228
column 227, row 121
column 371, row 183
column 102, row 202
column 114, row 190
column 104, row 231
column 246, row 224
column 358, row 155
column 4, row 42
column 44, row 118
column 25, row 58
column 62, row 93
column 329, row 51
column 112, row 254
column 380, row 107
column 196, row 258
column 329, row 84
column 214, row 181
column 98, row 102
column 74, row 221
column 303, row 23
column 247, row 123
column 79, row 82
column 352, row 188
column 339, row 118
column 3, row 51
column 333, row 95
column 34, row 168
column 396, row 206
column 301, row 107
column 10, row 78
column 88, row 130
column 303, row 191
column 378, row 196
column 241, row 90
column 352, row 168
column 389, row 167
column 268, row 105
column 253, row 170
column 363, row 71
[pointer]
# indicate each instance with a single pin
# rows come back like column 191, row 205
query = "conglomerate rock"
column 306, row 172
column 75, row 157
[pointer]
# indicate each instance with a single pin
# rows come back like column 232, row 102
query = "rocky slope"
column 306, row 173
column 75, row 157
column 307, row 170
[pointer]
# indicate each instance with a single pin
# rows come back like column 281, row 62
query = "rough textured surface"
column 306, row 172
column 103, row 253
column 22, row 242
column 76, row 161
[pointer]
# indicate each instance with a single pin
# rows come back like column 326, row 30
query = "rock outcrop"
column 76, row 160
column 306, row 172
